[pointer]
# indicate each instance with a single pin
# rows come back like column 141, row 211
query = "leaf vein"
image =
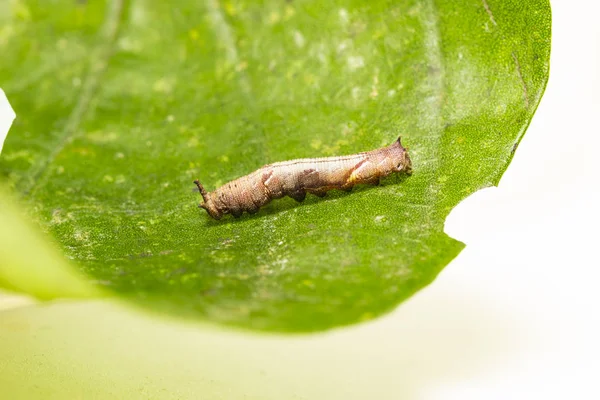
column 98, row 64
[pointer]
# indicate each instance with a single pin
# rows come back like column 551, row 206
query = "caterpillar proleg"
column 295, row 178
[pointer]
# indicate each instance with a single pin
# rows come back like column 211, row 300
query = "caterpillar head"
column 208, row 204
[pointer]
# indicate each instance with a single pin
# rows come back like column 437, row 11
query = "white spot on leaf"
column 344, row 17
column 380, row 218
column 299, row 39
column 356, row 62
column 345, row 44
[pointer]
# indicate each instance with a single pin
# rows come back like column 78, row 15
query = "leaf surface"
column 122, row 104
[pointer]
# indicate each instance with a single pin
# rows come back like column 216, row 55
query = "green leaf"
column 30, row 264
column 121, row 105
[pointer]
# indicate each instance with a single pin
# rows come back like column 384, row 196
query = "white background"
column 516, row 315
column 7, row 115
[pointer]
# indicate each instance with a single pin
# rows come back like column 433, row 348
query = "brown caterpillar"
column 295, row 178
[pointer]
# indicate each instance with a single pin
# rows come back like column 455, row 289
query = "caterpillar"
column 295, row 178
